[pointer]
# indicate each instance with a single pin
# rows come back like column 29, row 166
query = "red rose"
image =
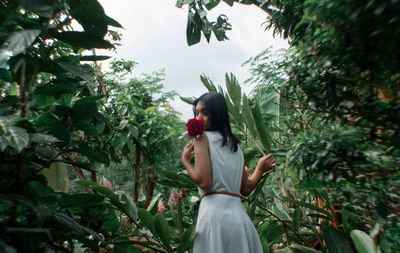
column 195, row 127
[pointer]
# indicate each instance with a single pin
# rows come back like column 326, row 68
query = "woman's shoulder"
column 213, row 135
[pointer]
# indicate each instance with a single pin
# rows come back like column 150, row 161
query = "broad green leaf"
column 99, row 188
column 263, row 135
column 296, row 248
column 193, row 28
column 22, row 230
column 113, row 22
column 88, row 128
column 44, row 8
column 297, row 218
column 186, row 239
column 363, row 242
column 57, row 89
column 19, row 41
column 111, row 222
column 163, row 230
column 83, row 40
column 188, row 100
column 272, row 232
column 147, row 219
column 18, row 138
column 280, row 212
column 122, row 201
column 211, row 4
column 36, row 190
column 84, row 71
column 60, row 131
column 81, row 200
column 46, row 120
column 56, row 176
column 93, row 154
column 43, row 138
column 229, row 2
column 308, row 205
column 234, row 90
column 85, row 109
column 94, row 58
column 90, row 14
column 335, row 240
column 152, row 208
column 207, row 83
column 248, row 116
column 310, row 184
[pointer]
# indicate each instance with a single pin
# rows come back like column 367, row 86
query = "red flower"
column 195, row 127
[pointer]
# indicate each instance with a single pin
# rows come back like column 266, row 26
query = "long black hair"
column 218, row 116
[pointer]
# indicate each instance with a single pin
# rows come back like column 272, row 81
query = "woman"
column 222, row 225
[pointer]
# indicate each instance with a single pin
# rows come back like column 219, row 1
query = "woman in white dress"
column 222, row 224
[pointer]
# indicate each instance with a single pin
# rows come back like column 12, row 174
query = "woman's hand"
column 187, row 152
column 266, row 163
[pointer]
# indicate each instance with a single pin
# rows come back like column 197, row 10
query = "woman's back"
column 226, row 166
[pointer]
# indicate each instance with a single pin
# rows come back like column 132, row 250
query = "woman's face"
column 201, row 113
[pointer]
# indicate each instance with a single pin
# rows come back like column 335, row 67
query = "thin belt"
column 235, row 194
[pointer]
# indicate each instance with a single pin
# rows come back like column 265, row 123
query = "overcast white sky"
column 155, row 37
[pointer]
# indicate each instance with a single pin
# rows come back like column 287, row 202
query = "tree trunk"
column 136, row 175
column 150, row 185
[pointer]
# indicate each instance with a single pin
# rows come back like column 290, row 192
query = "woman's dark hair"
column 217, row 111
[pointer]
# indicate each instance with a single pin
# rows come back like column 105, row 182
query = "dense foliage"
column 337, row 91
column 89, row 160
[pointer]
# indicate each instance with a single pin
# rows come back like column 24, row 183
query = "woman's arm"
column 201, row 172
column 266, row 163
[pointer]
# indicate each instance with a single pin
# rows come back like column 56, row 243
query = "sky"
column 154, row 36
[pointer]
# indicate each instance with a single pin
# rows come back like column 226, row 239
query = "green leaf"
column 81, row 200
column 308, row 205
column 43, row 138
column 229, row 2
column 248, row 116
column 208, row 83
column 163, row 230
column 122, row 201
column 94, row 57
column 88, row 128
column 335, row 240
column 85, row 109
column 19, row 138
column 85, row 71
column 83, row 40
column 188, row 100
column 363, row 242
column 193, row 28
column 19, row 41
column 35, row 190
column 57, row 89
column 60, row 131
column 113, row 22
column 21, row 230
column 147, row 219
column 263, row 135
column 234, row 90
column 186, row 239
column 212, row 4
column 46, row 120
column 310, row 184
column 90, row 14
column 44, row 8
column 280, row 212
column 95, row 155
column 296, row 248
column 12, row 136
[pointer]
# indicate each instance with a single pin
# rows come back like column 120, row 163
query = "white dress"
column 223, row 225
